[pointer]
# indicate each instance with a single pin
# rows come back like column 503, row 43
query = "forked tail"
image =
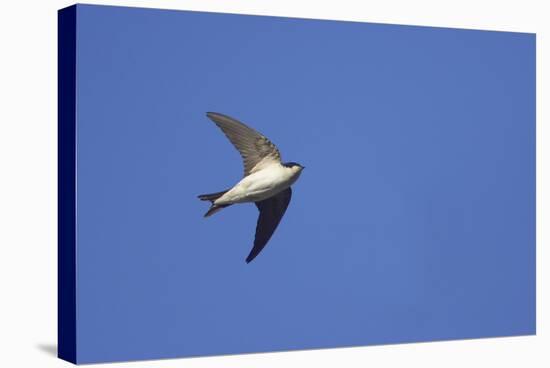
column 212, row 197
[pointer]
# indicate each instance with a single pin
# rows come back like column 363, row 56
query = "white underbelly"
column 256, row 187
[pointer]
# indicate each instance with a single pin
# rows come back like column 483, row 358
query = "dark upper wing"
column 255, row 149
column 271, row 213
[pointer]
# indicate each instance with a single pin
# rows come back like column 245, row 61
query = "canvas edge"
column 66, row 186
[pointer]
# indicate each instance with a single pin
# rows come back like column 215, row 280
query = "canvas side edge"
column 66, row 186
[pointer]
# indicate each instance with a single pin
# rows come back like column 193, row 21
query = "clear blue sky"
column 413, row 221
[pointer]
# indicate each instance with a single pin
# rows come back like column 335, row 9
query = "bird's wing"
column 271, row 213
column 256, row 150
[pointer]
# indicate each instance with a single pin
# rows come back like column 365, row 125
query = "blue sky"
column 413, row 221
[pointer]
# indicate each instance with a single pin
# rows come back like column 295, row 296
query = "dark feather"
column 271, row 213
column 212, row 196
column 215, row 208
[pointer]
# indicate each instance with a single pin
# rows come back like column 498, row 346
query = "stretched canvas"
column 402, row 159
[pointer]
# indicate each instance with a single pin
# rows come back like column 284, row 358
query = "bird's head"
column 294, row 166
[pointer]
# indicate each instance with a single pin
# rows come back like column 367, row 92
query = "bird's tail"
column 212, row 197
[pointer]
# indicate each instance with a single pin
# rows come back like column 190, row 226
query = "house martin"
column 266, row 180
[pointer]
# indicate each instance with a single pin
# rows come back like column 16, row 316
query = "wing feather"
column 271, row 213
column 255, row 149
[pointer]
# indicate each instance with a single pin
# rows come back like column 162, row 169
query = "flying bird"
column 266, row 180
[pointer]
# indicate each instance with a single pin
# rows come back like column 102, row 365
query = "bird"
column 266, row 182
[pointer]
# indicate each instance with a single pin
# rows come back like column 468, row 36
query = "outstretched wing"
column 271, row 213
column 256, row 150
